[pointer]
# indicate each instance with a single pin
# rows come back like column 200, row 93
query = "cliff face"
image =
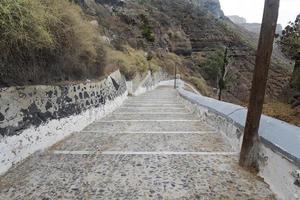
column 212, row 6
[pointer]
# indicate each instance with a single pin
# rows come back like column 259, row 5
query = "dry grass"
column 25, row 23
column 44, row 24
column 283, row 112
column 200, row 84
column 44, row 41
column 130, row 61
column 168, row 62
column 71, row 29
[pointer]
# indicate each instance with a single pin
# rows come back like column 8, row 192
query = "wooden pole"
column 250, row 146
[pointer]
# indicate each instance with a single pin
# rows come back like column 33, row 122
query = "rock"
column 94, row 23
column 212, row 6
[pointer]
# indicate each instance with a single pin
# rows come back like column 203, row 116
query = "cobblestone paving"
column 154, row 150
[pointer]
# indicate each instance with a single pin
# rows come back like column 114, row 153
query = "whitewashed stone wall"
column 35, row 117
column 149, row 82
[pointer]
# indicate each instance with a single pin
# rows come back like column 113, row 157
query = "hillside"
column 194, row 33
column 137, row 35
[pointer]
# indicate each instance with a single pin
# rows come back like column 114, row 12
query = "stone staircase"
column 150, row 148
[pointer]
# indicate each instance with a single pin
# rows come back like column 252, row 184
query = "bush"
column 44, row 41
column 148, row 34
column 147, row 29
column 130, row 61
column 211, row 67
column 168, row 62
column 200, row 84
column 24, row 23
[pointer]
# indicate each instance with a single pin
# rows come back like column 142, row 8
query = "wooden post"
column 250, row 146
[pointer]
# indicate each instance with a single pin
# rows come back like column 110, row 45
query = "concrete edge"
column 264, row 140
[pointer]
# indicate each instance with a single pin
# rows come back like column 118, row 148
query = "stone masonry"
column 22, row 107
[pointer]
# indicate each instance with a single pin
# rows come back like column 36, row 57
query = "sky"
column 252, row 10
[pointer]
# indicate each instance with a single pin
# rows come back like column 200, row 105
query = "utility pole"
column 175, row 77
column 250, row 146
column 221, row 81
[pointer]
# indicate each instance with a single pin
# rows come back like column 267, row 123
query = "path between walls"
column 151, row 147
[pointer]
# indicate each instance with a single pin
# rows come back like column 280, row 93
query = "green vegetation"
column 211, row 67
column 142, row 2
column 147, row 29
column 290, row 45
column 215, row 69
column 45, row 41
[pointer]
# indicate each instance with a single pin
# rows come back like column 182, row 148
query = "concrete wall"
column 35, row 117
column 280, row 142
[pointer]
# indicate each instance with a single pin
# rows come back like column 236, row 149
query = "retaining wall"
column 35, row 117
column 279, row 154
column 141, row 85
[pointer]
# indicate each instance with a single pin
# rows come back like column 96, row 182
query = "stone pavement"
column 150, row 148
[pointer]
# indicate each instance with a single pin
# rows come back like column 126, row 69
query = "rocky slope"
column 212, row 6
column 137, row 35
column 192, row 29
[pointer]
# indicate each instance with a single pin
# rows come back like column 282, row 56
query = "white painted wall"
column 14, row 149
column 279, row 172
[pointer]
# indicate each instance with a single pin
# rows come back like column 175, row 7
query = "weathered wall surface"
column 279, row 149
column 149, row 82
column 35, row 117
column 230, row 131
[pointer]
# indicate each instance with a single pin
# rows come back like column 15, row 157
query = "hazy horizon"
column 252, row 10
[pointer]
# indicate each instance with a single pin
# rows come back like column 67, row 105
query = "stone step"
column 149, row 116
column 150, row 148
column 133, row 177
column 201, row 141
column 141, row 104
column 152, row 109
column 153, row 100
column 142, row 125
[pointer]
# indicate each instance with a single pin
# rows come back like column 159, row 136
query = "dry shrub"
column 283, row 111
column 168, row 62
column 200, row 84
column 45, row 41
column 24, row 23
column 71, row 30
column 130, row 61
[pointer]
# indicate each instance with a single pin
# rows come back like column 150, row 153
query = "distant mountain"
column 237, row 19
column 252, row 27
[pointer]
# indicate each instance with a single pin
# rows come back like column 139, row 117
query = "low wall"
column 149, row 82
column 279, row 154
column 35, row 117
